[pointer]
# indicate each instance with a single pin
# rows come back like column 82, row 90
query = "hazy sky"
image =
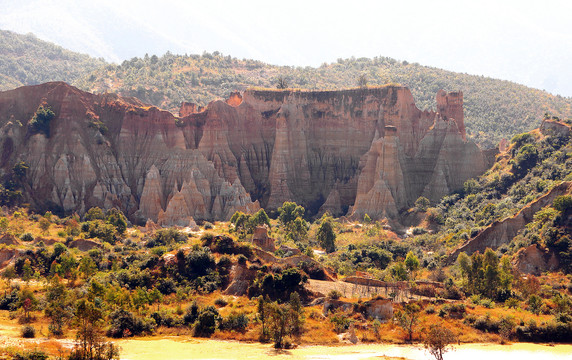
column 529, row 42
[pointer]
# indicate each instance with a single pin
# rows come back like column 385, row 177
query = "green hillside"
column 27, row 60
column 534, row 163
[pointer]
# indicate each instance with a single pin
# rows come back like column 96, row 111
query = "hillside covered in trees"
column 494, row 109
column 27, row 60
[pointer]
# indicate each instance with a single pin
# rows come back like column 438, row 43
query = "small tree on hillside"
column 438, row 341
column 44, row 225
column 262, row 309
column 362, row 81
column 412, row 263
column 281, row 83
column 408, row 319
column 284, row 319
column 563, row 203
column 288, row 212
column 58, row 306
column 422, row 203
column 40, row 123
column 326, row 236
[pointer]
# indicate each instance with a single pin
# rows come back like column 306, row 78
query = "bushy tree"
column 438, row 341
column 278, row 286
column 40, row 123
column 281, row 83
column 116, row 218
column 486, row 275
column 20, row 169
column 245, row 224
column 399, row 271
column 362, row 81
column 207, row 321
column 125, row 324
column 94, row 213
column 289, row 212
column 326, row 236
column 422, row 203
column 284, row 319
column 412, row 263
column 59, row 307
column 525, row 159
column 298, row 230
column 563, row 203
column 408, row 318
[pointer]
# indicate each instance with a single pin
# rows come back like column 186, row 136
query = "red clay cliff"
column 354, row 152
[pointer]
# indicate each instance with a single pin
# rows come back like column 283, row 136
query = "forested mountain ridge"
column 27, row 60
column 494, row 109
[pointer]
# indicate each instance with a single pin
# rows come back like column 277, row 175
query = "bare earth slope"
column 356, row 151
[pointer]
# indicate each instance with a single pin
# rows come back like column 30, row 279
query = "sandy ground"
column 154, row 349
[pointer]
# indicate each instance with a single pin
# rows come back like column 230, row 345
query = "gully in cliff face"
column 369, row 151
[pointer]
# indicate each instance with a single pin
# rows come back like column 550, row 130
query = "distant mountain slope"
column 27, row 60
column 493, row 108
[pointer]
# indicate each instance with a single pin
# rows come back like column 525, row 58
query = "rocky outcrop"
column 553, row 127
column 7, row 255
column 347, row 152
column 9, row 239
column 503, row 231
column 85, row 244
column 380, row 309
column 241, row 277
column 535, row 261
column 260, row 238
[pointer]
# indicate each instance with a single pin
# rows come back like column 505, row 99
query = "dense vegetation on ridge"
column 27, row 60
column 494, row 109
column 533, row 164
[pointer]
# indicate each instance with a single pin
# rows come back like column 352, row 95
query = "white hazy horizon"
column 528, row 42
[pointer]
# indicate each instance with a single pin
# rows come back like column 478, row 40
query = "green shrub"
column 334, row 294
column 521, row 139
column 191, row 314
column 28, row 332
column 168, row 236
column 221, row 302
column 163, row 318
column 31, row 355
column 207, row 321
column 241, row 259
column 125, row 324
column 487, row 303
column 563, row 203
column 40, row 123
column 512, row 303
column 422, row 203
column 341, row 321
column 27, row 237
column 235, row 321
